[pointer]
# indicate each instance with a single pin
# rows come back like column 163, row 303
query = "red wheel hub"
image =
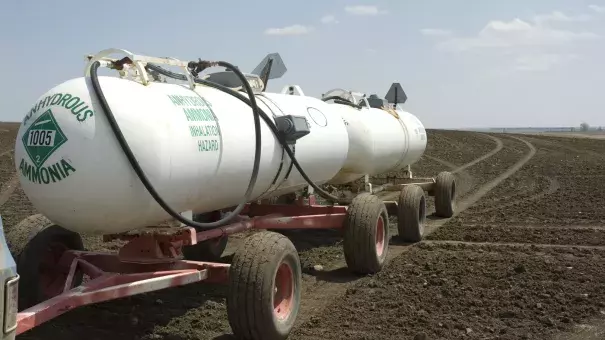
column 380, row 236
column 283, row 297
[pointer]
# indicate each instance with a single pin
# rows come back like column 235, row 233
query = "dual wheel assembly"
column 411, row 206
column 366, row 227
column 265, row 275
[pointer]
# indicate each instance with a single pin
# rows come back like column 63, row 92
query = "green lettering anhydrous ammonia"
column 179, row 100
column 198, row 111
column 198, row 115
column 203, row 130
column 41, row 139
column 77, row 106
column 46, row 174
column 208, row 145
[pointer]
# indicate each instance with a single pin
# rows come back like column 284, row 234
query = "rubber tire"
column 27, row 242
column 411, row 213
column 251, row 287
column 209, row 250
column 360, row 234
column 445, row 194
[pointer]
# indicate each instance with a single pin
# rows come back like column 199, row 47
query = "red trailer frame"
column 152, row 259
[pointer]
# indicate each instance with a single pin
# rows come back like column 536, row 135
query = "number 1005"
column 41, row 138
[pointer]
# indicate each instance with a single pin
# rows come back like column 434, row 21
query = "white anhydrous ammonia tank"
column 379, row 141
column 195, row 146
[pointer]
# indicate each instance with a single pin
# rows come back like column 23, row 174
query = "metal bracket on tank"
column 138, row 62
column 363, row 99
column 372, row 189
column 408, row 173
column 309, row 194
column 293, row 90
column 367, row 184
column 188, row 215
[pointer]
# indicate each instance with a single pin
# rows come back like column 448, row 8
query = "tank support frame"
column 389, row 191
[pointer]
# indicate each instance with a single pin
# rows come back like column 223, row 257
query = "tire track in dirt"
column 466, row 177
column 466, row 202
column 499, row 146
column 466, row 182
column 484, row 189
column 461, row 168
column 337, row 281
column 432, row 225
column 553, row 186
column 513, row 244
column 579, row 199
column 4, row 153
column 592, row 330
column 535, row 226
column 8, row 187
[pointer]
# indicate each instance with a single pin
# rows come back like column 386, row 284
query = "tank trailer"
column 173, row 161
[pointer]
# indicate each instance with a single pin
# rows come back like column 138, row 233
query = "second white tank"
column 380, row 141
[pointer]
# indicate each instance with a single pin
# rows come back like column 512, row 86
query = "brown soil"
column 511, row 286
column 472, row 292
column 8, row 133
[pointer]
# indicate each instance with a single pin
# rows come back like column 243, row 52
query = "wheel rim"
column 283, row 297
column 380, row 236
column 51, row 279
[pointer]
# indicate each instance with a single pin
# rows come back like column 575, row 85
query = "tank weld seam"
column 291, row 165
column 281, row 166
column 283, row 152
column 274, row 188
column 262, row 96
column 391, row 111
column 405, row 151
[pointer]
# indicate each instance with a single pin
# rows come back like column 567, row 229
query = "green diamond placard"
column 42, row 138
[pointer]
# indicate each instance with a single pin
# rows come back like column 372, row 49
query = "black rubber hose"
column 342, row 101
column 267, row 120
column 141, row 174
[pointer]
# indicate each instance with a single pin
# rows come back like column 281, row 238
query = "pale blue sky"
column 463, row 63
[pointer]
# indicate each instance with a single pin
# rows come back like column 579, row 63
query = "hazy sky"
column 463, row 63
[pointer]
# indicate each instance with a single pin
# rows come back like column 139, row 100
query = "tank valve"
column 291, row 128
